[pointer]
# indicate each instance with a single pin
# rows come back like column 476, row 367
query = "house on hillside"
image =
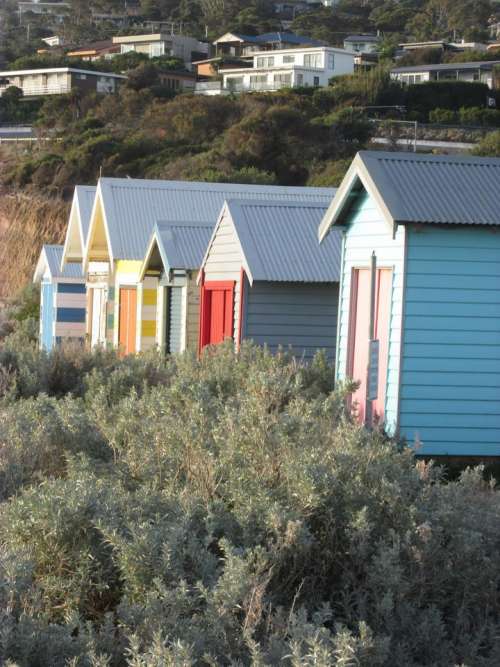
column 264, row 278
column 480, row 72
column 62, row 299
column 362, row 43
column 94, row 51
column 240, row 46
column 123, row 218
column 185, row 48
column 285, row 68
column 419, row 312
column 59, row 81
column 170, row 268
column 58, row 11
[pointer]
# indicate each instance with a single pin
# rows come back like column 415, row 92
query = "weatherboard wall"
column 300, row 317
column 450, row 381
column 62, row 309
column 367, row 231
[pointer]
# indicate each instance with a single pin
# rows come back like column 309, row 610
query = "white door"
column 98, row 302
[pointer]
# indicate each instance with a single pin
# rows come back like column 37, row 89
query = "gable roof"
column 181, row 245
column 133, row 206
column 79, row 221
column 50, row 258
column 430, row 189
column 279, row 241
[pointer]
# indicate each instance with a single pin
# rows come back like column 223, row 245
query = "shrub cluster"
column 227, row 511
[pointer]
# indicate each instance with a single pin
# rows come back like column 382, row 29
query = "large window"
column 156, row 50
column 265, row 61
column 258, row 81
column 283, row 80
column 331, row 61
column 287, row 60
column 234, row 82
column 312, row 60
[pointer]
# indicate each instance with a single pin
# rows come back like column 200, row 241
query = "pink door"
column 358, row 340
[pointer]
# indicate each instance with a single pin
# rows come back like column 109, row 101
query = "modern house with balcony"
column 286, row 68
column 185, row 48
column 241, row 46
column 59, row 80
column 480, row 72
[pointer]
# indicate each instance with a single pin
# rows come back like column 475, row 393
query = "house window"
column 156, row 50
column 258, row 81
column 300, row 79
column 234, row 82
column 316, row 81
column 283, row 80
column 127, row 48
column 288, row 60
column 331, row 61
column 265, row 61
column 312, row 60
column 82, row 76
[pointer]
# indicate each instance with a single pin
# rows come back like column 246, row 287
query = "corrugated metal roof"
column 182, row 246
column 452, row 189
column 280, row 242
column 484, row 64
column 85, row 195
column 53, row 255
column 133, row 206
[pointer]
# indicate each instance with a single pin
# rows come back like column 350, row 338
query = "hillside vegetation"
column 227, row 511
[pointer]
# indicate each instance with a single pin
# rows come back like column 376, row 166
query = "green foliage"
column 422, row 98
column 490, row 145
column 227, row 511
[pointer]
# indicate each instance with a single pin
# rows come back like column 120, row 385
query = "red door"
column 358, row 341
column 128, row 319
column 217, row 312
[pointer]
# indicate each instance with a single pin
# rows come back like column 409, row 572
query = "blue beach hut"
column 419, row 306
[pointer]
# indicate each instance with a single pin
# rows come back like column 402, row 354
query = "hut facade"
column 265, row 278
column 419, row 315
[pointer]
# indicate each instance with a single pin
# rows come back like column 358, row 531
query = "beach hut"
column 62, row 299
column 175, row 253
column 419, row 315
column 96, row 275
column 123, row 217
column 265, row 278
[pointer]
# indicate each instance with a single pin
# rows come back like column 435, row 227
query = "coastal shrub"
column 226, row 510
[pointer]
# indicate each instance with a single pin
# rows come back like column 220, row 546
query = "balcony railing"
column 35, row 91
column 216, row 87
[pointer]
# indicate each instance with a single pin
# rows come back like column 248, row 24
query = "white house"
column 286, row 68
column 159, row 44
column 480, row 72
column 59, row 80
column 362, row 43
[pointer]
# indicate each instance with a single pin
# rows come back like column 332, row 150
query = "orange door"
column 128, row 319
column 358, row 341
column 217, row 312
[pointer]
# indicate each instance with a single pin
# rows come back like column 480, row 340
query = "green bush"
column 227, row 511
column 442, row 116
column 422, row 98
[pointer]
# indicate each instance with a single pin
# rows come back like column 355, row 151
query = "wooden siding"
column 299, row 316
column 192, row 314
column 148, row 313
column 224, row 262
column 47, row 316
column 450, row 389
column 367, row 231
column 175, row 296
